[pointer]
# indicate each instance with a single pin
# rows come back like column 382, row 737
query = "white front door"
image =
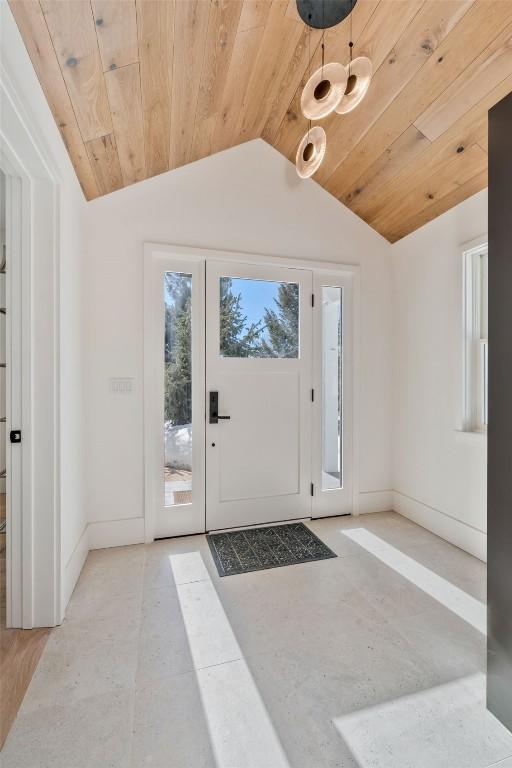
column 258, row 389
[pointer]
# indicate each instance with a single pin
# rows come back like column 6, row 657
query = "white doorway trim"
column 154, row 252
column 34, row 596
column 18, row 579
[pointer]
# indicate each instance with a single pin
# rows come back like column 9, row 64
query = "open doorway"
column 3, row 404
column 21, row 649
column 11, row 448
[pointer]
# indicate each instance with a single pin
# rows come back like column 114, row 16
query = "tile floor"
column 374, row 659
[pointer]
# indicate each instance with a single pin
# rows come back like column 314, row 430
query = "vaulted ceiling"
column 138, row 87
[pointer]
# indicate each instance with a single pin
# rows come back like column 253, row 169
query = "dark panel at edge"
column 499, row 465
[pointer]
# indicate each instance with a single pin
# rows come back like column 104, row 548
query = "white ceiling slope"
column 247, row 198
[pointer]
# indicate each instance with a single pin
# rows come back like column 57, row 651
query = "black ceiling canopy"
column 322, row 14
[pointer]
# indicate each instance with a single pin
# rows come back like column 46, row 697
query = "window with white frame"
column 475, row 339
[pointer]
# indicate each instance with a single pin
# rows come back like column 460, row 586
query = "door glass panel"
column 332, row 400
column 178, row 389
column 258, row 318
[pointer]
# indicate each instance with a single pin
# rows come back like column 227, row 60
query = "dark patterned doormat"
column 254, row 549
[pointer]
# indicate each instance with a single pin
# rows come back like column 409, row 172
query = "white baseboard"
column 116, row 533
column 74, row 567
column 456, row 532
column 375, row 501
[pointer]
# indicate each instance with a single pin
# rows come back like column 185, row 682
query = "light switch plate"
column 121, row 385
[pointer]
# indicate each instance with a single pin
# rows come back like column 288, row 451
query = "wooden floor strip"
column 20, row 651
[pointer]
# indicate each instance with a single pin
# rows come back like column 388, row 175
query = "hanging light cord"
column 323, row 36
column 350, row 43
column 309, row 71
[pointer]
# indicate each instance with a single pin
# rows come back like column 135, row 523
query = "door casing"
column 35, row 578
column 155, row 255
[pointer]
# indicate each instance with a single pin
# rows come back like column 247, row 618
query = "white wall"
column 250, row 199
column 247, row 199
column 21, row 79
column 439, row 473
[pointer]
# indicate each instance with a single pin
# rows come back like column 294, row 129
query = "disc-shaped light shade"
column 358, row 82
column 323, row 91
column 311, row 152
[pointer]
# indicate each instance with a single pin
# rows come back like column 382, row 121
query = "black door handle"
column 214, row 409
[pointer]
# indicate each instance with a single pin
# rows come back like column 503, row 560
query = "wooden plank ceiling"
column 138, row 87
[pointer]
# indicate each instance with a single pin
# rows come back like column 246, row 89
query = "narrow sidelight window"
column 332, row 387
column 475, row 340
column 178, row 388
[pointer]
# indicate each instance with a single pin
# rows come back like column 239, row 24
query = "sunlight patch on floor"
column 446, row 727
column 240, row 728
column 456, row 600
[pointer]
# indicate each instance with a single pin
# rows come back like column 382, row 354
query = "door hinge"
column 312, row 489
column 312, row 395
column 312, row 299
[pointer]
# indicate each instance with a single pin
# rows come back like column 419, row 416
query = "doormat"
column 254, row 549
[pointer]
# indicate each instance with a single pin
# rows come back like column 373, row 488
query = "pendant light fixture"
column 358, row 81
column 311, row 151
column 323, row 91
column 333, row 87
column 325, row 87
